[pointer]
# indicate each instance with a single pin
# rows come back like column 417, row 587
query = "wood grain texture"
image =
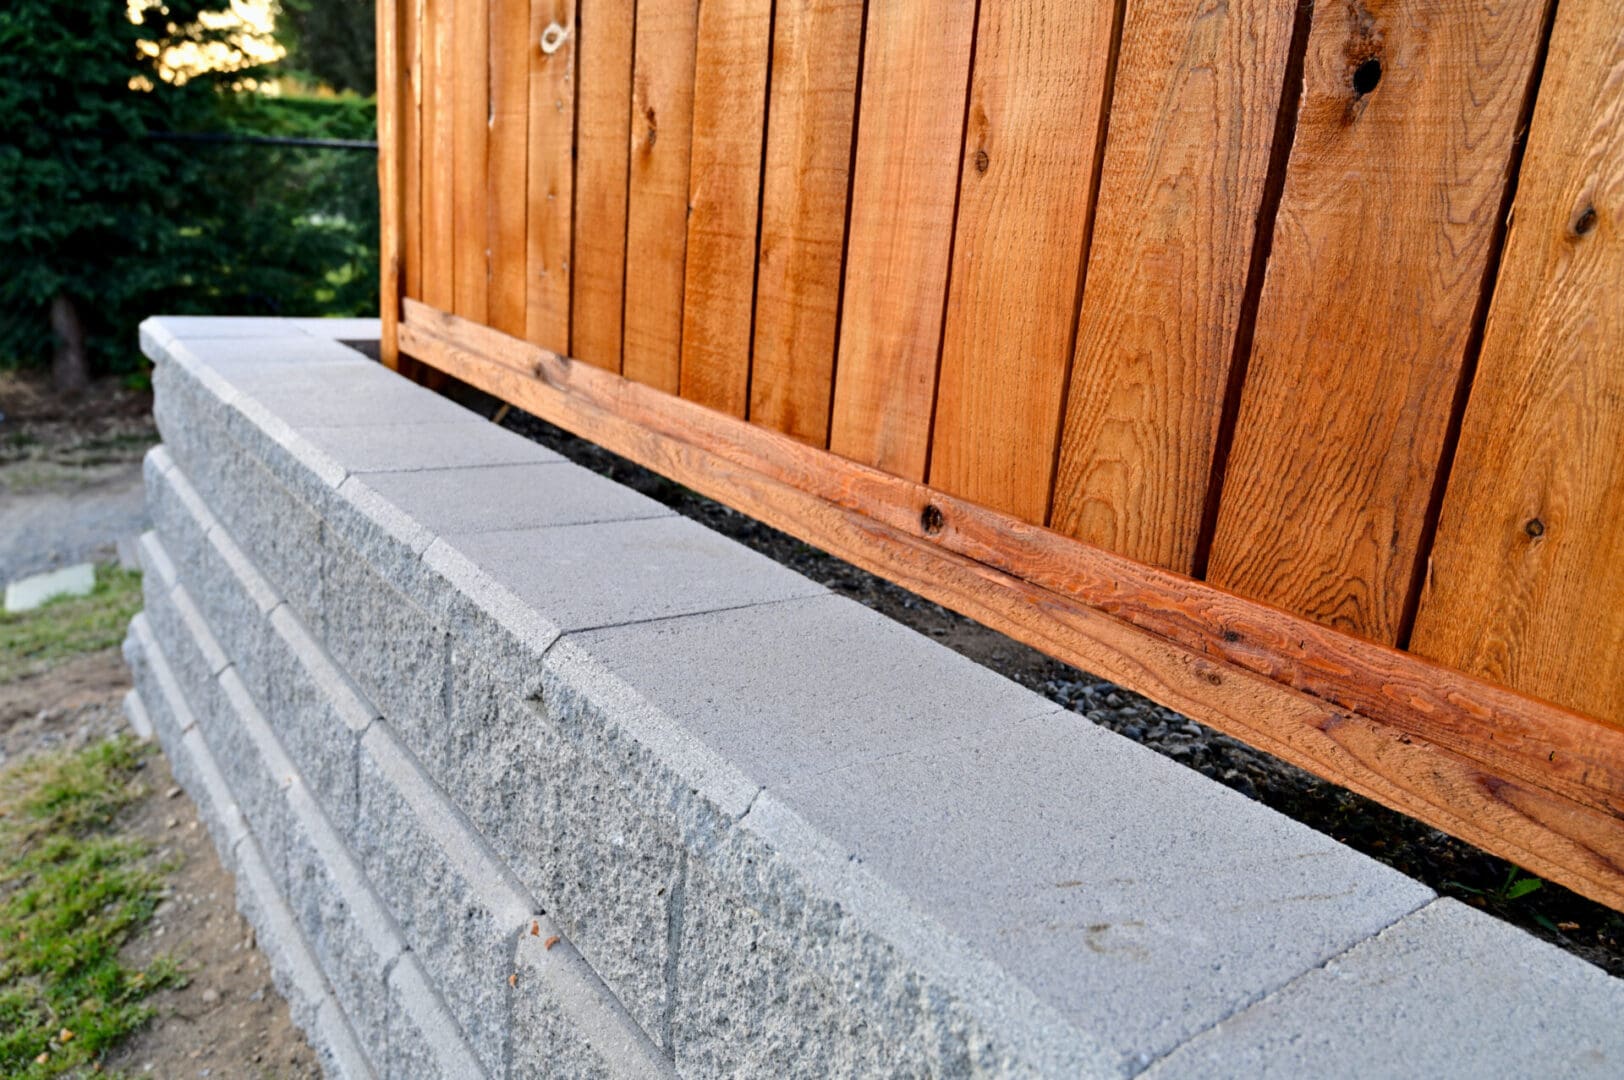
column 506, row 162
column 916, row 70
column 389, row 15
column 470, row 110
column 724, row 194
column 411, row 22
column 657, row 199
column 817, row 47
column 604, row 101
column 1527, row 577
column 1193, row 117
column 1380, row 246
column 439, row 230
column 551, row 174
column 1024, row 199
column 1518, row 793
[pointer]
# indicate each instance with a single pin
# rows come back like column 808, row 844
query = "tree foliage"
column 330, row 41
column 99, row 205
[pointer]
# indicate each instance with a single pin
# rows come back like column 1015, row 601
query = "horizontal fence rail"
column 1264, row 359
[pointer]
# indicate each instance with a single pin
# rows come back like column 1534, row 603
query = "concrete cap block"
column 787, row 690
column 195, row 327
column 1139, row 901
column 510, row 636
column 489, row 498
column 585, row 576
column 1446, row 992
column 347, row 395
column 341, row 329
column 274, row 359
column 465, row 443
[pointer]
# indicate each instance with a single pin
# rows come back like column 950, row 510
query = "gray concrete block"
column 508, row 635
column 319, row 717
column 1103, row 883
column 393, row 651
column 424, row 1041
column 352, row 937
column 340, row 329
column 271, row 358
column 135, row 714
column 1447, row 992
column 563, row 1021
column 336, row 1045
column 586, row 576
column 193, row 766
column 459, row 910
column 489, row 498
column 788, row 690
column 378, row 533
column 255, row 766
column 152, row 559
column 404, row 447
column 202, row 327
column 179, row 518
column 190, row 649
column 347, row 396
column 293, row 969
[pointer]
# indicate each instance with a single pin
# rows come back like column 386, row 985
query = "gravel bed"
column 1450, row 866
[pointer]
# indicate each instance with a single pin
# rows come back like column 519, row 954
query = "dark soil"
column 1452, row 867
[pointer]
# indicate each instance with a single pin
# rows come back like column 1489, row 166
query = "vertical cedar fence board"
column 1266, row 361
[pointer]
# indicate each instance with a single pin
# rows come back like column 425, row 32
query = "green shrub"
column 93, row 208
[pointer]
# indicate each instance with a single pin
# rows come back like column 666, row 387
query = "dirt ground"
column 70, row 484
column 228, row 1020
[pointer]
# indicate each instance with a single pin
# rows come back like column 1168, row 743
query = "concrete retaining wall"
column 522, row 775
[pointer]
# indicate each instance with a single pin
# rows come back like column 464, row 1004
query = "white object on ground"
column 26, row 594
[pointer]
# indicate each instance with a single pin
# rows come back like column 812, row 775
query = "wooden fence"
column 1266, row 358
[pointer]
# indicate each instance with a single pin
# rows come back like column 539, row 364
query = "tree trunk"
column 71, row 370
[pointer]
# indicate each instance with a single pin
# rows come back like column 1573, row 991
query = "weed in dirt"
column 73, row 890
column 32, row 641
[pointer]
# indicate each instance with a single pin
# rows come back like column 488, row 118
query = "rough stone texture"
column 435, row 1051
column 1449, row 991
column 351, row 935
column 458, row 909
column 560, row 1027
column 336, row 1045
column 255, row 766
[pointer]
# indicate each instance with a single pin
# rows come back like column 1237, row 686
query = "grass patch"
column 33, row 641
column 73, row 890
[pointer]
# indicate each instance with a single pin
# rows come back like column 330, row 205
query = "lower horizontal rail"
column 1525, row 779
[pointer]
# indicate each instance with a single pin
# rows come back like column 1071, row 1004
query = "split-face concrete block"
column 335, row 1043
column 1447, row 992
column 319, row 716
column 561, row 1022
column 585, row 576
column 488, row 498
column 395, row 653
column 293, row 969
column 350, row 933
column 135, row 714
column 255, row 766
column 405, row 447
column 458, row 908
column 423, row 1039
column 191, row 650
